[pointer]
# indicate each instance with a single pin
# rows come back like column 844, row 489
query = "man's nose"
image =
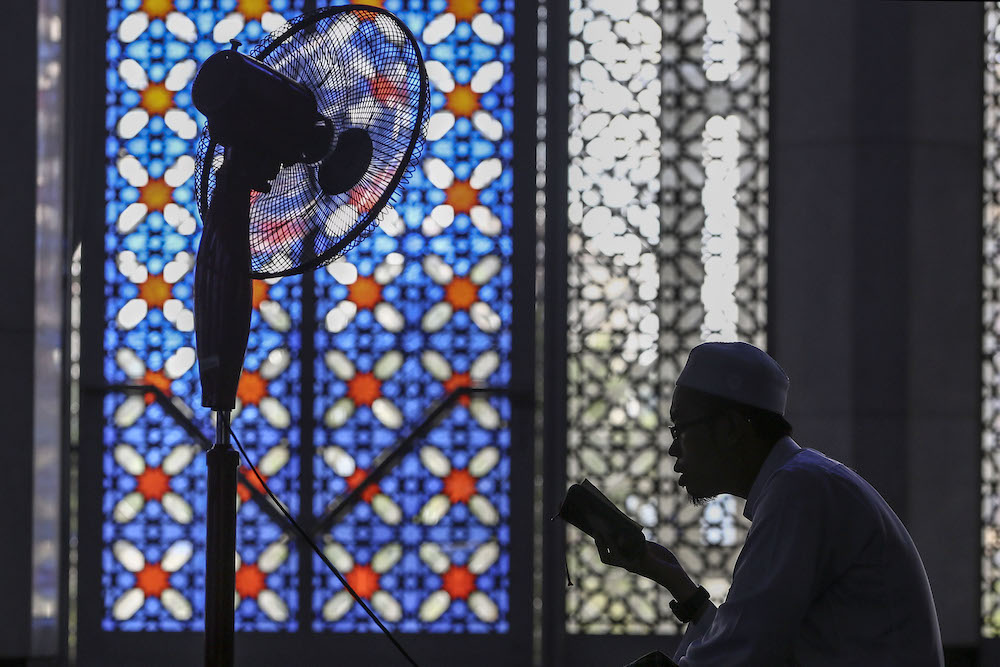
column 674, row 450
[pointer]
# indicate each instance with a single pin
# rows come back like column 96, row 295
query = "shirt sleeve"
column 777, row 575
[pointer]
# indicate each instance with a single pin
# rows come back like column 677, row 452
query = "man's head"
column 727, row 410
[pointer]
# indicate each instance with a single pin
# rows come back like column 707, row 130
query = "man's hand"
column 656, row 562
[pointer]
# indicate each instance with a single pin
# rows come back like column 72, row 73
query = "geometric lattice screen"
column 339, row 365
column 991, row 331
column 667, row 248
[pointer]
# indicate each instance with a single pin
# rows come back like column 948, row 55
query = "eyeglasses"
column 678, row 429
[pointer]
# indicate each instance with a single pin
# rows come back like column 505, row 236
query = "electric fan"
column 307, row 141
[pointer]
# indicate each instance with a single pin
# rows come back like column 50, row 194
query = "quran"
column 654, row 659
column 589, row 510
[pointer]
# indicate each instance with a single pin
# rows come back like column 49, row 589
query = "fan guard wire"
column 366, row 70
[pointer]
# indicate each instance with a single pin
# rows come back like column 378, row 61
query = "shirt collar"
column 783, row 449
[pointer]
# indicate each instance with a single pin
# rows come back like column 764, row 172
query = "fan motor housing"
column 259, row 111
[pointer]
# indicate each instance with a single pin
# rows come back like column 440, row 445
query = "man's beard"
column 700, row 501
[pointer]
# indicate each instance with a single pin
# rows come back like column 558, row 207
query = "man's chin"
column 699, row 501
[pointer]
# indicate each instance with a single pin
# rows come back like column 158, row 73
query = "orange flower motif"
column 363, row 579
column 463, row 101
column 157, row 379
column 459, row 380
column 156, row 194
column 250, row 581
column 458, row 582
column 152, row 580
column 252, row 388
column 364, row 389
column 152, row 483
column 157, row 9
column 269, row 465
column 156, row 99
column 461, row 196
column 155, row 291
column 364, row 292
column 354, row 481
column 243, row 491
column 459, row 486
column 260, row 293
column 253, row 9
column 464, row 10
column 461, row 293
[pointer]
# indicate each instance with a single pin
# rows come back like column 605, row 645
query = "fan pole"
column 222, row 309
column 220, row 566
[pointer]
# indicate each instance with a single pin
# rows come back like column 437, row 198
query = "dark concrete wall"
column 875, row 289
column 17, row 316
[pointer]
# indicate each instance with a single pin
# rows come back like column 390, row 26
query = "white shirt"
column 828, row 576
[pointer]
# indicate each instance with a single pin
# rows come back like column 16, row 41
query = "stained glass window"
column 421, row 308
column 991, row 330
column 667, row 248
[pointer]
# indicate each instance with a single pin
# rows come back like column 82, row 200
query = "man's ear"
column 737, row 425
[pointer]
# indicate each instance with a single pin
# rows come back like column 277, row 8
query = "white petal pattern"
column 129, row 459
column 176, row 604
column 484, row 413
column 177, row 507
column 436, row 316
column 177, row 555
column 274, row 412
column 387, row 509
column 339, row 460
column 435, row 461
column 271, row 558
column 386, row 606
column 484, row 317
column 387, row 557
column 338, row 362
column 483, row 607
column 128, row 603
column 338, row 413
column 128, row 507
column 387, row 413
column 338, row 555
column 337, row 606
column 484, row 557
column 436, row 364
column 128, row 555
column 483, row 510
column 434, row 557
column 436, row 604
column 129, row 411
column 272, row 605
column 434, row 509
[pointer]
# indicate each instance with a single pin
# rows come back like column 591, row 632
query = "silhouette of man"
column 828, row 574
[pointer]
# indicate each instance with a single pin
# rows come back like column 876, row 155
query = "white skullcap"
column 738, row 372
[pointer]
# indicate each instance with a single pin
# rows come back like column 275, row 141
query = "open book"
column 654, row 659
column 589, row 510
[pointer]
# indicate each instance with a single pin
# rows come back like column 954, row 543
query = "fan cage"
column 365, row 68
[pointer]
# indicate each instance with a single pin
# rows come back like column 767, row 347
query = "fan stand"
column 223, row 305
column 220, row 569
